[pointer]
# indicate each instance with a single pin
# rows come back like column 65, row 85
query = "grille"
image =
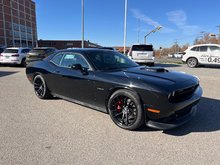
column 183, row 94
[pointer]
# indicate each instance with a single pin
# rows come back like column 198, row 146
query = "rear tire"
column 192, row 62
column 126, row 110
column 40, row 88
column 23, row 62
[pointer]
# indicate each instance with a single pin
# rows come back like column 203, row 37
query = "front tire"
column 40, row 88
column 192, row 62
column 126, row 110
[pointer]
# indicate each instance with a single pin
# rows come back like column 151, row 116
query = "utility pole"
column 125, row 25
column 176, row 43
column 139, row 30
column 82, row 23
column 218, row 34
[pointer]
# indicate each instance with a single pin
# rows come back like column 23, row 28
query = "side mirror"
column 77, row 66
column 81, row 68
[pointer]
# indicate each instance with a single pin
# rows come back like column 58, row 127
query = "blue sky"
column 182, row 20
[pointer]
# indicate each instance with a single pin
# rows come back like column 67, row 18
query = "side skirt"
column 80, row 103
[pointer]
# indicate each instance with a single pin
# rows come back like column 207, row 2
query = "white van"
column 203, row 54
column 142, row 54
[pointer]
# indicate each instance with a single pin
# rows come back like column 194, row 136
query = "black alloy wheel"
column 125, row 109
column 40, row 88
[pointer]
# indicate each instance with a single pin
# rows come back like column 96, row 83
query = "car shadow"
column 209, row 66
column 12, row 66
column 5, row 73
column 206, row 120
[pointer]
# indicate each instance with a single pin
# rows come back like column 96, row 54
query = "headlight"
column 197, row 78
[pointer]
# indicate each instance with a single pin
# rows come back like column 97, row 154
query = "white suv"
column 142, row 54
column 14, row 56
column 203, row 54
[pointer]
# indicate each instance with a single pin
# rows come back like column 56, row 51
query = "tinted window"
column 104, row 60
column 57, row 58
column 214, row 48
column 203, row 48
column 142, row 48
column 25, row 50
column 71, row 59
column 49, row 51
column 1, row 50
column 195, row 49
column 11, row 51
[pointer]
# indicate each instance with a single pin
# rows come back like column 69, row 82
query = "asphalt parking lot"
column 34, row 131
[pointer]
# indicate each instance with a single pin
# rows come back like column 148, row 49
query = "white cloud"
column 179, row 18
column 139, row 15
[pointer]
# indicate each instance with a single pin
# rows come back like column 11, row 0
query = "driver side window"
column 70, row 59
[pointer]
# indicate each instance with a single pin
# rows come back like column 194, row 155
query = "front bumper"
column 11, row 60
column 177, row 114
column 175, row 122
column 144, row 60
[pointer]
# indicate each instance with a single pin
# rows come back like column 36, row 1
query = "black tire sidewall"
column 45, row 95
column 135, row 98
column 194, row 65
column 23, row 62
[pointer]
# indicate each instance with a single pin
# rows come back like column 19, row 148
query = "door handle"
column 56, row 71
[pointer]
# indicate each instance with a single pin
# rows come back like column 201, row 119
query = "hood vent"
column 154, row 69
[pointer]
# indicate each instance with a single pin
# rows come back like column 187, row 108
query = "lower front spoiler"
column 174, row 123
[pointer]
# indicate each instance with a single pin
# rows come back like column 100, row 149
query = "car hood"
column 159, row 77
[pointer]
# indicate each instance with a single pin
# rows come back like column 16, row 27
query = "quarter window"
column 57, row 58
column 214, row 48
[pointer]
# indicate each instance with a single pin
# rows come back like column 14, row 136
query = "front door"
column 72, row 83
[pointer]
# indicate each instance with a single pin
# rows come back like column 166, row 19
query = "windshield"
column 142, row 48
column 11, row 51
column 107, row 60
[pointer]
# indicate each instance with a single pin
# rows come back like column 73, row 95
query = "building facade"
column 18, row 23
column 121, row 49
column 64, row 44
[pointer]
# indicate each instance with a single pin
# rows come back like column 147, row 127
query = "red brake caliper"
column 119, row 105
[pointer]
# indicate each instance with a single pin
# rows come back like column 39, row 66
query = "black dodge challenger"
column 110, row 82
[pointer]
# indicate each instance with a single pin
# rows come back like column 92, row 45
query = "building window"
column 29, row 30
column 22, row 27
column 68, row 44
column 15, row 26
column 29, row 36
column 23, row 36
column 16, row 34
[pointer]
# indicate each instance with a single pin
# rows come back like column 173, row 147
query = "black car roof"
column 83, row 50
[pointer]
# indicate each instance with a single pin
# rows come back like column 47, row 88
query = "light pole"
column 82, row 23
column 152, row 31
column 125, row 25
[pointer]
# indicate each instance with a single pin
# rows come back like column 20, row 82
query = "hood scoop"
column 154, row 69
